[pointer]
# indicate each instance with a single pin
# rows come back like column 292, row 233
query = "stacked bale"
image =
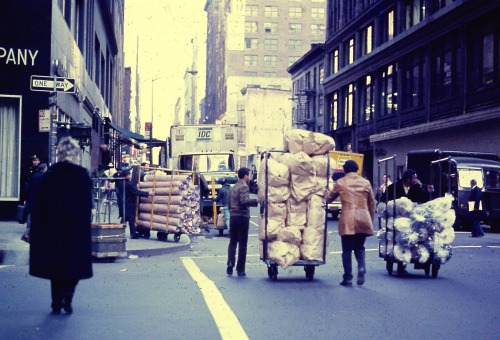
column 300, row 234
column 175, row 208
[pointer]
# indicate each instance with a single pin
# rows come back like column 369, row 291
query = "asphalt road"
column 187, row 295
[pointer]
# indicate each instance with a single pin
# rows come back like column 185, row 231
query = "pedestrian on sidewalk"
column 476, row 212
column 131, row 194
column 60, row 241
column 356, row 220
column 239, row 210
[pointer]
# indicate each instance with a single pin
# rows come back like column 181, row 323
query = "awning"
column 136, row 137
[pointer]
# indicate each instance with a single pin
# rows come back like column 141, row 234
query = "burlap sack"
column 278, row 177
column 302, row 187
column 321, row 165
column 312, row 143
column 316, row 214
column 284, row 254
column 291, row 235
column 273, row 228
column 296, row 212
column 276, row 210
column 298, row 163
column 312, row 244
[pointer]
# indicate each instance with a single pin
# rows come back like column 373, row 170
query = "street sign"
column 43, row 120
column 46, row 84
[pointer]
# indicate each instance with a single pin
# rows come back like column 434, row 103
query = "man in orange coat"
column 356, row 219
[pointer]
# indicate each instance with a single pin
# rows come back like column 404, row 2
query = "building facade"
column 412, row 74
column 80, row 40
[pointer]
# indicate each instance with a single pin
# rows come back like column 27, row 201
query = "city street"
column 187, row 295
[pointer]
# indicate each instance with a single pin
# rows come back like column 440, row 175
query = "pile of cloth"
column 175, row 208
column 417, row 232
column 293, row 184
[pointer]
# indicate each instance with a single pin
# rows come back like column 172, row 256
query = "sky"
column 164, row 29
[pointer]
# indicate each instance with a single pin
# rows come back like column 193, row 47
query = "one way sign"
column 46, row 84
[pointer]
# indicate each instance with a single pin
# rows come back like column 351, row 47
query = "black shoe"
column 346, row 283
column 229, row 270
column 242, row 274
column 56, row 311
column 361, row 278
column 136, row 236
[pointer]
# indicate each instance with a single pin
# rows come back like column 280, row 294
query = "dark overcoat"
column 131, row 194
column 60, row 234
column 476, row 196
column 416, row 194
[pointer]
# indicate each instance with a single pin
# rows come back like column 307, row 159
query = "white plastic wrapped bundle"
column 446, row 219
column 404, row 207
column 423, row 234
column 402, row 253
column 402, row 224
column 381, row 209
column 407, row 239
column 390, row 208
column 443, row 254
column 446, row 236
column 420, row 253
column 381, row 234
column 383, row 249
column 387, row 223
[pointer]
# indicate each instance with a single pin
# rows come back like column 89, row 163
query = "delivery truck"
column 451, row 172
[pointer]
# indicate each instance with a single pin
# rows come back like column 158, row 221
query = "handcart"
column 432, row 265
column 272, row 266
column 167, row 197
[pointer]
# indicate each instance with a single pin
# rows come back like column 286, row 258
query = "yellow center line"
column 227, row 323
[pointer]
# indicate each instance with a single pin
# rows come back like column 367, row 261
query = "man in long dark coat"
column 60, row 236
column 131, row 194
column 476, row 212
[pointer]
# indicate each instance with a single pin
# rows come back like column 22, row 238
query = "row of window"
column 293, row 11
column 272, row 44
column 268, row 60
column 293, row 28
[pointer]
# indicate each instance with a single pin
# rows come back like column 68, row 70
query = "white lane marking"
column 493, row 247
column 227, row 323
column 6, row 266
column 466, row 246
column 255, row 224
column 340, row 251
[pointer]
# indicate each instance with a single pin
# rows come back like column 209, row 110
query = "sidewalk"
column 14, row 251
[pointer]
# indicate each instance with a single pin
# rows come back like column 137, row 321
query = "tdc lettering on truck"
column 204, row 134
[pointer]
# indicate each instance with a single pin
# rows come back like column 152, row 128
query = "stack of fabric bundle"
column 417, row 233
column 175, row 208
column 300, row 231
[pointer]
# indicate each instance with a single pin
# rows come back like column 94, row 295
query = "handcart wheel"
column 309, row 272
column 162, row 236
column 221, row 232
column 146, row 234
column 177, row 237
column 272, row 271
column 388, row 265
column 435, row 269
column 427, row 269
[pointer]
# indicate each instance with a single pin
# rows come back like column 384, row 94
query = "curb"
column 158, row 251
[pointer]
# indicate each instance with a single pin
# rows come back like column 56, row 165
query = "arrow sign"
column 46, row 84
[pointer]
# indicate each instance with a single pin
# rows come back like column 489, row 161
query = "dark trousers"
column 352, row 243
column 62, row 291
column 238, row 237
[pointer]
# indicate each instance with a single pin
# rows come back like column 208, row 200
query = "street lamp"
column 151, row 127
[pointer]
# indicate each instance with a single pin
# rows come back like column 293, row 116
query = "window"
column 271, row 27
column 388, row 27
column 252, row 43
column 251, row 10
column 444, row 69
column 295, row 12
column 367, row 34
column 488, row 72
column 270, row 61
column 251, row 27
column 317, row 29
column 367, row 103
column 292, row 59
column 349, row 51
column 294, row 45
column 413, row 82
column 321, row 74
column 321, row 104
column 295, row 28
column 270, row 44
column 349, row 104
column 80, row 24
column 485, row 62
column 10, row 143
column 388, row 94
column 250, row 60
column 250, row 74
column 271, row 11
column 334, row 109
column 414, row 12
column 317, row 13
column 335, row 61
column 270, row 74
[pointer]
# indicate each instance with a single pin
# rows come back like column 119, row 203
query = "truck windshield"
column 208, row 163
column 466, row 175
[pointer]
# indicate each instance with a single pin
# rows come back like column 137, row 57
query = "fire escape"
column 305, row 99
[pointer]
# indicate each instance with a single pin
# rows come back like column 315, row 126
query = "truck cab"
column 451, row 172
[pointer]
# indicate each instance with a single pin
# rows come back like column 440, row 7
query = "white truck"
column 210, row 151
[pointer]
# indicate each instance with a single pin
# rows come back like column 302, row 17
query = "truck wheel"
column 335, row 215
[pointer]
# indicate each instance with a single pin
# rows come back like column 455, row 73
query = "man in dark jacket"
column 408, row 186
column 239, row 209
column 131, row 194
column 476, row 209
column 32, row 189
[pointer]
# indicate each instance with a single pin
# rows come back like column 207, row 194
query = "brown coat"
column 358, row 204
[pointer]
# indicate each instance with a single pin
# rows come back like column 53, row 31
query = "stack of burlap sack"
column 293, row 184
column 418, row 232
column 175, row 208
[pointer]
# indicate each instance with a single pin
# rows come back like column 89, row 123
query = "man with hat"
column 131, row 194
column 356, row 220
